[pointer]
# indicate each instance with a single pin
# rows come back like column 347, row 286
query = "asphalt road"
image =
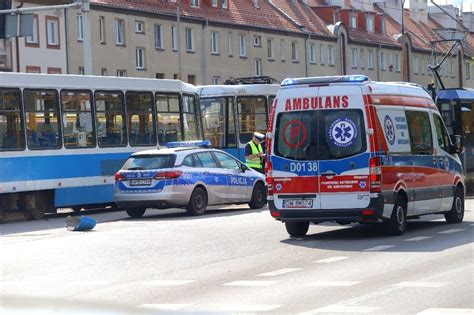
column 237, row 260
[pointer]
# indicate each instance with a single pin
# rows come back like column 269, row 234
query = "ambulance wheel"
column 398, row 221
column 198, row 202
column 258, row 197
column 136, row 213
column 297, row 229
column 456, row 214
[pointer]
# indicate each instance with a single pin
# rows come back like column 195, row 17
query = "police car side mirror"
column 244, row 168
column 458, row 146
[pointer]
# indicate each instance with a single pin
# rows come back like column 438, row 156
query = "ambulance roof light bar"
column 187, row 144
column 326, row 80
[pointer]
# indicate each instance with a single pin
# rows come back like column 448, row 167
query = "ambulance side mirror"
column 458, row 146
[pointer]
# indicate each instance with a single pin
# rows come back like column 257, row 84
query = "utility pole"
column 86, row 42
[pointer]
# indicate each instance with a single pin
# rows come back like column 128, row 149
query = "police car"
column 186, row 174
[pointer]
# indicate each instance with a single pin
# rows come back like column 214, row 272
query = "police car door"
column 214, row 177
column 344, row 171
column 236, row 179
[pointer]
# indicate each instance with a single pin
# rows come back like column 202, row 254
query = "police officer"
column 254, row 152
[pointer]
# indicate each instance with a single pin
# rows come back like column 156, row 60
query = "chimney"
column 393, row 8
column 419, row 11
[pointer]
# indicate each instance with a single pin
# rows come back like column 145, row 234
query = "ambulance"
column 347, row 149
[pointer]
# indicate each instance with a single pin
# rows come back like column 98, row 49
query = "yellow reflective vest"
column 255, row 162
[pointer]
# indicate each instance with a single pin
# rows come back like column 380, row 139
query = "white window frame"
column 382, row 24
column 140, row 58
column 416, row 65
column 34, row 40
column 467, row 70
column 225, row 4
column 101, row 29
column 190, row 47
column 52, row 33
column 354, row 57
column 119, row 32
column 174, row 40
column 242, row 45
column 362, row 58
column 159, row 41
column 139, row 27
column 82, row 71
column 382, row 61
column 370, row 23
column 257, row 41
column 270, row 52
column 195, row 3
column 331, row 60
column 104, row 72
column 397, row 63
column 80, row 28
column 257, row 67
column 370, row 59
column 321, row 55
column 215, row 43
column 214, row 3
column 121, row 73
column 390, row 62
column 229, row 45
column 353, row 19
column 312, row 53
column 451, row 67
column 282, row 50
column 294, row 51
column 216, row 80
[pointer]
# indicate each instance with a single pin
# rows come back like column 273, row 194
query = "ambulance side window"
column 441, row 134
column 421, row 137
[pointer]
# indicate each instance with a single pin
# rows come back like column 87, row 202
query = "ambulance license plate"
column 298, row 203
column 140, row 182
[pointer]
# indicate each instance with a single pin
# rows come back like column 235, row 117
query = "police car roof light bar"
column 187, row 144
column 326, row 80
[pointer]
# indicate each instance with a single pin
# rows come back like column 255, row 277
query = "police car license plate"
column 298, row 203
column 140, row 182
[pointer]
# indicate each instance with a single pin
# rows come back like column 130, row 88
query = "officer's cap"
column 259, row 136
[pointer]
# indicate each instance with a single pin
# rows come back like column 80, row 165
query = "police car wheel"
column 136, row 213
column 297, row 229
column 258, row 197
column 198, row 202
column 398, row 221
column 456, row 214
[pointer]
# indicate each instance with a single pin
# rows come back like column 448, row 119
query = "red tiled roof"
column 241, row 12
column 469, row 44
column 371, row 37
column 420, row 34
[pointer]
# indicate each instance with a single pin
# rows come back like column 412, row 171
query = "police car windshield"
column 149, row 162
column 320, row 135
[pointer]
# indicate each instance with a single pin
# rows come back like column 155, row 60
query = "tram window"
column 140, row 118
column 191, row 122
column 11, row 122
column 214, row 112
column 169, row 121
column 252, row 116
column 78, row 123
column 42, row 121
column 111, row 129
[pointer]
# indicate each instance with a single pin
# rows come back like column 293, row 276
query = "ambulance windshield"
column 320, row 135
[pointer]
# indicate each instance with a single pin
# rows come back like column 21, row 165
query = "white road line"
column 378, row 248
column 419, row 284
column 167, row 282
column 250, row 283
column 447, row 311
column 278, row 272
column 451, row 231
column 343, row 309
column 330, row 259
column 419, row 238
column 333, row 283
column 241, row 308
column 163, row 307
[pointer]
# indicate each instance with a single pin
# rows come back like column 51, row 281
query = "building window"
column 331, row 55
column 468, row 70
column 370, row 59
column 294, row 51
column 121, row 73
column 270, row 54
column 353, row 21
column 321, row 54
column 312, row 53
column 382, row 60
column 397, row 62
column 362, row 59
column 33, row 40
column 80, row 28
column 192, row 79
column 242, row 46
column 160, row 75
column 215, row 43
column 422, row 66
column 175, row 76
column 224, row 4
column 33, row 69
column 140, row 58
column 382, row 24
column 159, row 43
column 354, row 57
column 258, row 67
column 101, row 29
column 174, row 40
column 139, row 27
column 216, row 80
column 390, row 62
column 52, row 32
column 104, row 72
column 257, row 41
column 451, row 67
column 229, row 44
column 195, row 3
column 370, row 23
column 416, row 65
column 82, row 71
column 282, row 50
column 214, row 3
column 119, row 32
column 189, row 39
column 53, row 70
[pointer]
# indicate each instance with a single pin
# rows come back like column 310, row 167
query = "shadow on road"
column 349, row 238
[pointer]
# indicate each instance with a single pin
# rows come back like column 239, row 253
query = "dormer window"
column 382, row 24
column 224, row 4
column 353, row 21
column 370, row 23
column 195, row 3
column 214, row 3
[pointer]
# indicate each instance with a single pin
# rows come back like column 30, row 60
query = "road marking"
column 167, row 282
column 333, row 283
column 451, row 231
column 278, row 272
column 251, row 283
column 447, row 311
column 164, row 307
column 378, row 248
column 343, row 309
column 330, row 259
column 419, row 238
column 242, row 308
column 419, row 284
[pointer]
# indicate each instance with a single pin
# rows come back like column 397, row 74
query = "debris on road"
column 82, row 223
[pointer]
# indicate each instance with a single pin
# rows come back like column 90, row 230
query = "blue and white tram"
column 63, row 137
column 232, row 113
